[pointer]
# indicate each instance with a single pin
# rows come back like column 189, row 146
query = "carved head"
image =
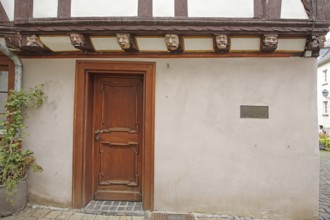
column 221, row 41
column 77, row 40
column 124, row 41
column 172, row 41
column 317, row 42
column 270, row 40
column 33, row 41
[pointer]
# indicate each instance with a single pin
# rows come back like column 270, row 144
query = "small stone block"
column 116, row 203
column 76, row 216
column 64, row 215
column 105, row 207
column 98, row 207
column 39, row 213
column 120, row 208
column 101, row 217
column 123, row 203
column 53, row 214
column 113, row 208
column 88, row 217
column 108, row 203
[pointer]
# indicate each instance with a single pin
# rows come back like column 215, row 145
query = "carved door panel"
column 117, row 138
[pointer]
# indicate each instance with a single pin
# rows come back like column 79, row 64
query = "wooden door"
column 117, row 144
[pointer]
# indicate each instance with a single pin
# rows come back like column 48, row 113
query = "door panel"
column 117, row 143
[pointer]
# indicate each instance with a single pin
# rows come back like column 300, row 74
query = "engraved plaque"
column 249, row 111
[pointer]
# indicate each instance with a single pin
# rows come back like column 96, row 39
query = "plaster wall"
column 103, row 8
column 322, row 84
column 207, row 159
column 221, row 8
column 45, row 9
column 163, row 8
column 293, row 9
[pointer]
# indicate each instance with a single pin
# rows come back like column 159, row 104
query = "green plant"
column 325, row 140
column 14, row 160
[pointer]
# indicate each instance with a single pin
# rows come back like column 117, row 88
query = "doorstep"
column 114, row 208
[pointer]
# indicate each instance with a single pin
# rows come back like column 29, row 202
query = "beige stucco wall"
column 207, row 159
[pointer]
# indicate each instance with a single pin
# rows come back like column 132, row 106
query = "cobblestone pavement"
column 325, row 186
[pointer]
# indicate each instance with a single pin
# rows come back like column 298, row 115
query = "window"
column 325, row 75
column 325, row 107
column 7, row 79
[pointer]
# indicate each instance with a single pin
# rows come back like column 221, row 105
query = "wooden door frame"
column 82, row 136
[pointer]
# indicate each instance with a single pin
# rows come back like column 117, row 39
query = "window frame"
column 8, row 65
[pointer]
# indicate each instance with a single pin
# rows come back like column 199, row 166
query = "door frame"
column 82, row 192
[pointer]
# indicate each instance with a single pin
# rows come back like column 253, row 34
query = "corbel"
column 174, row 43
column 221, row 43
column 269, row 42
column 32, row 43
column 127, row 42
column 314, row 44
column 81, row 42
column 13, row 42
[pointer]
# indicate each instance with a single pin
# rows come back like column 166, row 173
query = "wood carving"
column 173, row 43
column 221, row 43
column 13, row 42
column 315, row 43
column 32, row 43
column 81, row 42
column 269, row 42
column 127, row 42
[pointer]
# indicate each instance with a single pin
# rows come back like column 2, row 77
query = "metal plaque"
column 249, row 111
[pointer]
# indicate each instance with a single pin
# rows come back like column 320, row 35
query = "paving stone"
column 77, row 216
column 113, row 218
column 25, row 218
column 101, row 217
column 88, row 217
column 53, row 214
column 108, row 203
column 125, row 218
column 65, row 215
column 137, row 218
column 105, row 207
column 39, row 213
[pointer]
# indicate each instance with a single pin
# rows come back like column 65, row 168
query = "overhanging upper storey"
column 221, row 27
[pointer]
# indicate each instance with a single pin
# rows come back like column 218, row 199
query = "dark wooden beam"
column 259, row 8
column 3, row 14
column 274, row 9
column 23, row 9
column 145, row 8
column 181, row 8
column 323, row 10
column 64, row 9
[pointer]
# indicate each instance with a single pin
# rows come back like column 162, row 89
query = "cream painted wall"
column 51, row 128
column 207, row 159
column 221, row 8
column 293, row 9
column 99, row 8
column 163, row 8
column 45, row 9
